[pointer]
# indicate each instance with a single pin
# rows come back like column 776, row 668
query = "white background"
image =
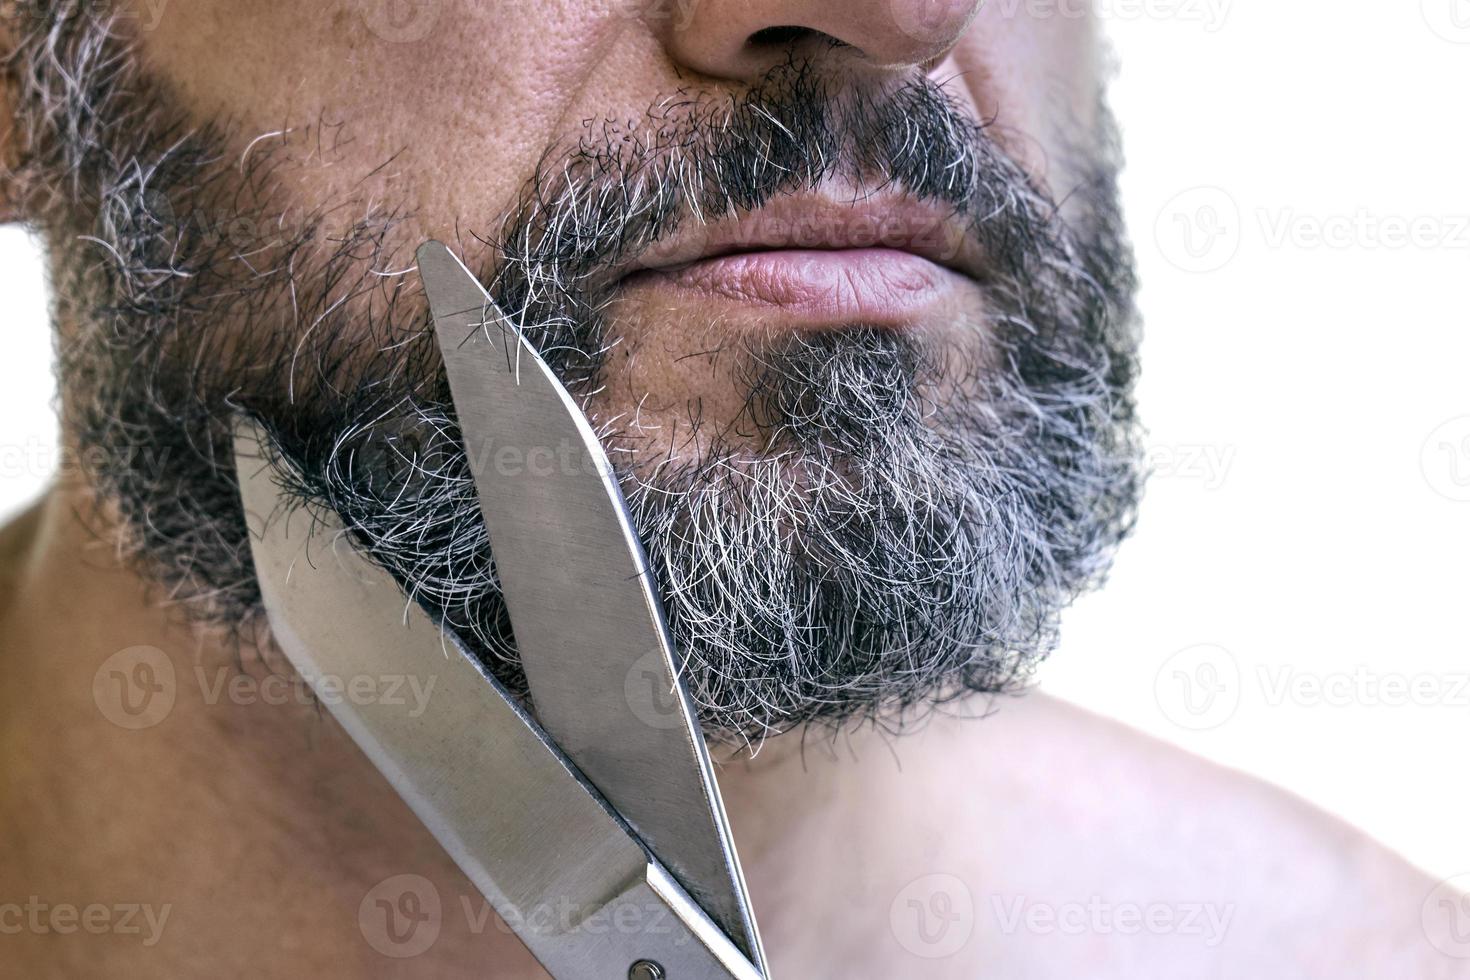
column 1295, row 600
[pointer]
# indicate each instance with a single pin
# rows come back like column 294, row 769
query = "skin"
column 263, row 831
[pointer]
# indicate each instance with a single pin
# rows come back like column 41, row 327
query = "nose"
column 741, row 39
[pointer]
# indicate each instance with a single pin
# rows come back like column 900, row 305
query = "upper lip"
column 822, row 220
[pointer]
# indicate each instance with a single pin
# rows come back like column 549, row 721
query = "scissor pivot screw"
column 645, row 970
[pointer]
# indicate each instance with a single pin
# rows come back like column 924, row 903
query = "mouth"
column 815, row 260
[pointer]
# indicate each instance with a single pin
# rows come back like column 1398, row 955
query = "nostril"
column 770, row 36
column 786, row 35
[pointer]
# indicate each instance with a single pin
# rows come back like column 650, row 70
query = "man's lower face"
column 869, row 395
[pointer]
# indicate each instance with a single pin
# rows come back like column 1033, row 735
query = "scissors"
column 594, row 828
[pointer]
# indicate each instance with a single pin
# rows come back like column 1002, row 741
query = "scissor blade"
column 587, row 620
column 537, row 841
column 467, row 756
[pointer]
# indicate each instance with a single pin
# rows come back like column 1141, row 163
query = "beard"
column 886, row 523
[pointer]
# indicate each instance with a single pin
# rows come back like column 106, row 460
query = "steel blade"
column 337, row 615
column 587, row 621
column 539, row 843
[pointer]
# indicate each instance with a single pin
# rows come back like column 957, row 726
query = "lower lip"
column 873, row 286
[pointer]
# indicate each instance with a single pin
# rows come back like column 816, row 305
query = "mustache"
column 624, row 188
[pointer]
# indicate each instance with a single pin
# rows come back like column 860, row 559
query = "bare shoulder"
column 1043, row 841
column 16, row 536
column 1100, row 843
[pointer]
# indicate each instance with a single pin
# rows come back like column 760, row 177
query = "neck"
column 167, row 783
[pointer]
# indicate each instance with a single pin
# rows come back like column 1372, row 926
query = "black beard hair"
column 909, row 531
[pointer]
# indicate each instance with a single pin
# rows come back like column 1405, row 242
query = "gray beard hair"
column 886, row 527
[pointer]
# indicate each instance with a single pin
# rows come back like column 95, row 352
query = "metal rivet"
column 645, row 970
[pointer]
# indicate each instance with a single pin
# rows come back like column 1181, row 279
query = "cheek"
column 672, row 379
column 1037, row 75
column 462, row 96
